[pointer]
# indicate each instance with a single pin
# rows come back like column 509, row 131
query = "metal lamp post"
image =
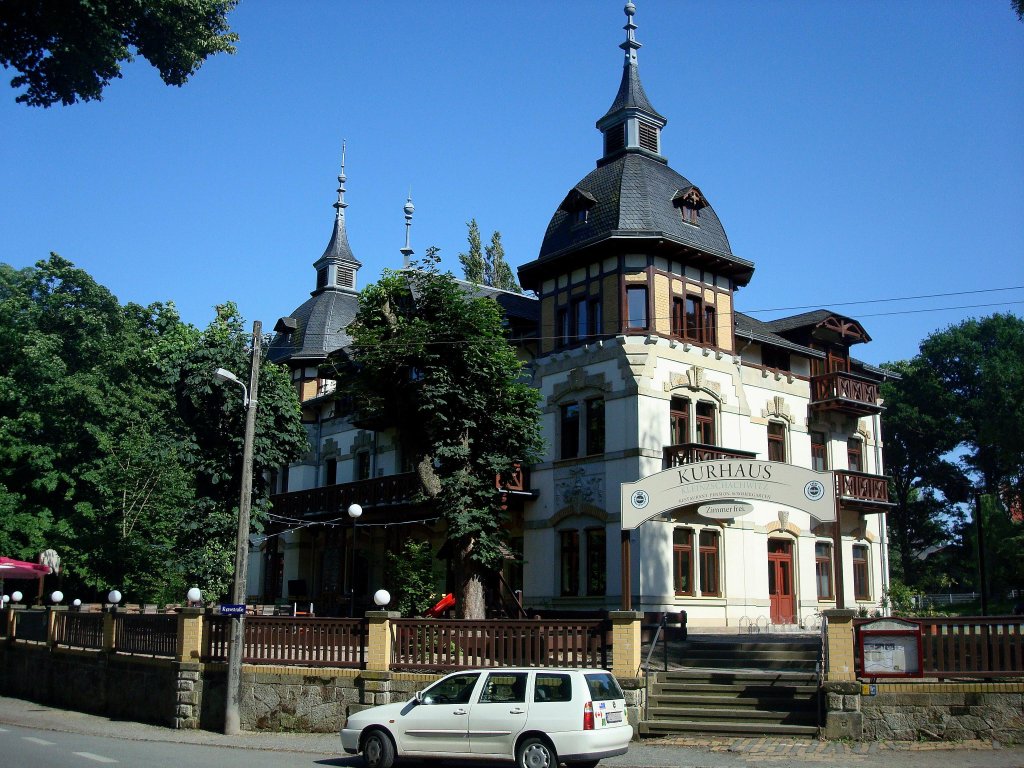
column 232, row 716
column 354, row 511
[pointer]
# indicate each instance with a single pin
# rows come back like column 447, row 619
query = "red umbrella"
column 19, row 569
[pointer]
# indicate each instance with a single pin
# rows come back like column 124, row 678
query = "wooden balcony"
column 335, row 499
column 862, row 492
column 690, row 453
column 846, row 393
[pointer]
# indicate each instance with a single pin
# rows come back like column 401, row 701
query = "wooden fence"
column 305, row 641
column 32, row 625
column 149, row 634
column 78, row 630
column 442, row 644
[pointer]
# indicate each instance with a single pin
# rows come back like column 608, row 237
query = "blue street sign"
column 232, row 610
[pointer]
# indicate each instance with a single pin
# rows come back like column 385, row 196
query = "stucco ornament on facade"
column 580, row 490
column 779, row 408
column 696, row 379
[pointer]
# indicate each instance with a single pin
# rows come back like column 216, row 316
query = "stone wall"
column 933, row 711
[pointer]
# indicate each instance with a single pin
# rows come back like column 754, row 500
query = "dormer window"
column 578, row 204
column 580, row 217
column 690, row 201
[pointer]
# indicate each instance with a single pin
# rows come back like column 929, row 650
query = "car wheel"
column 536, row 753
column 378, row 751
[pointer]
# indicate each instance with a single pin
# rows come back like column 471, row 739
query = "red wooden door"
column 780, row 581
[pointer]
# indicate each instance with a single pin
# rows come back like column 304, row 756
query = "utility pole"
column 232, row 717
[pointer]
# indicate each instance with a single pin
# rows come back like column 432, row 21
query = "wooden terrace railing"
column 971, row 647
column 31, row 625
column 839, row 391
column 442, row 644
column 691, row 453
column 286, row 640
column 78, row 630
column 146, row 633
column 860, row 488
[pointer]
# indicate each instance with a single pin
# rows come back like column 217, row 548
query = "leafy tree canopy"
column 954, row 429
column 429, row 355
column 69, row 51
column 117, row 449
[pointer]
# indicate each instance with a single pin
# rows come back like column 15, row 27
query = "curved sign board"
column 725, row 510
column 724, row 480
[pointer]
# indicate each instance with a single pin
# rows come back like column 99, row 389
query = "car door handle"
column 517, row 711
column 460, row 712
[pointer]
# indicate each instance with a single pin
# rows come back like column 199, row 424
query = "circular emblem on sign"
column 814, row 490
column 639, row 499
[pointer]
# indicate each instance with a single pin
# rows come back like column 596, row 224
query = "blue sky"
column 853, row 151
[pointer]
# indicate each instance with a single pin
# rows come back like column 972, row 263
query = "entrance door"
column 780, row 580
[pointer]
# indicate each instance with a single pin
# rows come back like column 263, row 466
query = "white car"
column 537, row 717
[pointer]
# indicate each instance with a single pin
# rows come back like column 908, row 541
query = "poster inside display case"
column 890, row 648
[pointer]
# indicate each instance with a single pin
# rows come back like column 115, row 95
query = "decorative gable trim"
column 695, row 379
column 779, row 408
column 578, row 381
column 691, row 197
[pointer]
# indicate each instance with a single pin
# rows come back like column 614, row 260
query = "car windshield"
column 603, row 687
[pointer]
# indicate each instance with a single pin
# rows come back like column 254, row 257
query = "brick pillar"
column 840, row 644
column 625, row 643
column 190, row 635
column 378, row 644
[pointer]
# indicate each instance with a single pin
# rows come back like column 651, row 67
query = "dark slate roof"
column 634, row 198
column 338, row 248
column 750, row 328
column 804, row 320
column 631, row 95
column 322, row 321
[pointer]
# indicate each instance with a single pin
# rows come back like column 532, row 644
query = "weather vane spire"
column 408, row 209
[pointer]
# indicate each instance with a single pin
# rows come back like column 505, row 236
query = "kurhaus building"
column 681, row 433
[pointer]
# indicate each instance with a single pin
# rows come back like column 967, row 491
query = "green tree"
column 70, row 51
column 117, row 449
column 473, row 267
column 955, row 430
column 487, row 265
column 499, row 272
column 412, row 577
column 215, row 417
column 426, row 354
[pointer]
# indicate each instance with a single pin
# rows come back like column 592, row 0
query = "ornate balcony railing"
column 845, row 392
column 859, row 490
column 689, row 453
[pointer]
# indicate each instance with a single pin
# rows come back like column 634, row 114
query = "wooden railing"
column 310, row 642
column 377, row 491
column 78, row 630
column 844, row 392
column 862, row 487
column 442, row 644
column 690, row 453
column 970, row 646
column 150, row 634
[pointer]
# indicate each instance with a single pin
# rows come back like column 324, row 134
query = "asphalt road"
column 36, row 736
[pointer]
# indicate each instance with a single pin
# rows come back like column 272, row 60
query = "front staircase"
column 729, row 685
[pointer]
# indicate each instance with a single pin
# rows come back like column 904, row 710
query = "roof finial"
column 408, row 209
column 630, row 46
column 341, row 204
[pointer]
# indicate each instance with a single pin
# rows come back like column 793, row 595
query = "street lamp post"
column 354, row 511
column 232, row 716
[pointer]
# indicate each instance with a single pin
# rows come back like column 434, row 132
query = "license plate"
column 614, row 717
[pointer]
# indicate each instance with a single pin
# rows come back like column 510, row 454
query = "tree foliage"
column 430, row 356
column 487, row 265
column 117, row 449
column 70, row 51
column 954, row 426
